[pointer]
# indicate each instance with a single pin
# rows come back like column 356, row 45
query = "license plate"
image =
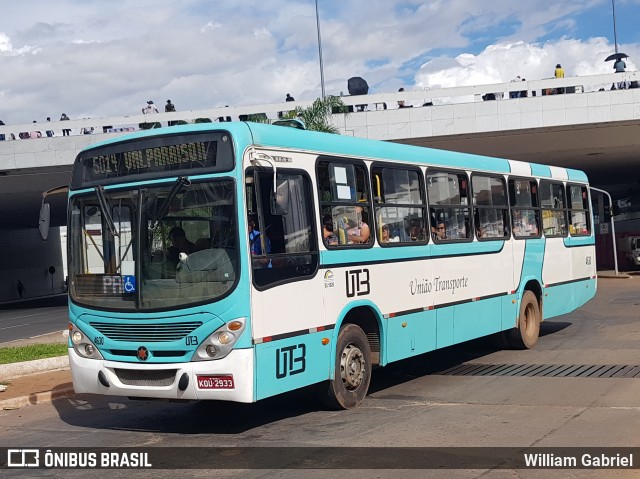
column 215, row 382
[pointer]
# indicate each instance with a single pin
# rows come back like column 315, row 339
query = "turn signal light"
column 234, row 325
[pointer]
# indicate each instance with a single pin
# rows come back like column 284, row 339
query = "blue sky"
column 94, row 58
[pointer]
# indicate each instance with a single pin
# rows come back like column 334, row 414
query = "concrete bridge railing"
column 449, row 111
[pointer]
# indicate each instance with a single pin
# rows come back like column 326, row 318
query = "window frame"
column 563, row 209
column 329, row 160
column 536, row 209
column 506, row 208
column 259, row 211
column 381, row 166
column 431, row 206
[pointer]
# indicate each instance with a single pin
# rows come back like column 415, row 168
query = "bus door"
column 286, row 289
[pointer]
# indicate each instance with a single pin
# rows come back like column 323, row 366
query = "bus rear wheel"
column 352, row 373
column 525, row 335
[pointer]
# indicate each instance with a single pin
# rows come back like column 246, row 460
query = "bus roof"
column 259, row 134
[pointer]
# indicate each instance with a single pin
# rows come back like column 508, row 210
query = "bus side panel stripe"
column 293, row 334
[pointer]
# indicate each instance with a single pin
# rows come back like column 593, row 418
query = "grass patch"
column 31, row 352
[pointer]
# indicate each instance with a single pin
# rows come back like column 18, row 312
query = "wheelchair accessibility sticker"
column 129, row 284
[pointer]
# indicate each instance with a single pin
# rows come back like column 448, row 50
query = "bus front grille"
column 133, row 353
column 146, row 333
column 150, row 378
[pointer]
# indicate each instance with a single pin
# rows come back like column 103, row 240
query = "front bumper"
column 142, row 379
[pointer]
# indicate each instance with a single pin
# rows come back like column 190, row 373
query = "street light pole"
column 320, row 50
column 615, row 35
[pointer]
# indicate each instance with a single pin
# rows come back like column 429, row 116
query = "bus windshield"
column 155, row 248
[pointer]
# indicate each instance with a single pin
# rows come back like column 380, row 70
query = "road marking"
column 29, row 315
column 16, row 326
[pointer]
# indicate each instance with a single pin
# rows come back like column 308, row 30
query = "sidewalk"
column 35, row 389
column 41, row 381
column 612, row 274
column 35, row 382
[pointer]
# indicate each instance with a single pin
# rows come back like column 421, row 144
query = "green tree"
column 317, row 116
column 257, row 118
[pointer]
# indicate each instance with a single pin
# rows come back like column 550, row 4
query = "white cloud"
column 107, row 58
column 504, row 61
column 5, row 43
column 6, row 47
column 210, row 26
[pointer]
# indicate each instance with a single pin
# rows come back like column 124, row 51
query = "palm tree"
column 317, row 117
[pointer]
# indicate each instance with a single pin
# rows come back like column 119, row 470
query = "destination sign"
column 154, row 157
column 141, row 161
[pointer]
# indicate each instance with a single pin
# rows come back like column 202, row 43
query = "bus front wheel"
column 525, row 335
column 352, row 373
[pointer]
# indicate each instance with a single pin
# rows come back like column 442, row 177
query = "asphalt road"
column 417, row 402
column 33, row 318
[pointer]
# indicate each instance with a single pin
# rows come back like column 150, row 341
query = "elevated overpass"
column 589, row 127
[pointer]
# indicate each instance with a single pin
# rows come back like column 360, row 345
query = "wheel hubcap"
column 352, row 367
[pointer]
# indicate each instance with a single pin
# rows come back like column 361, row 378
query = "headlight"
column 220, row 343
column 82, row 345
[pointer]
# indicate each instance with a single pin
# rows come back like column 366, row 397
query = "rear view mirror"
column 45, row 210
column 45, row 219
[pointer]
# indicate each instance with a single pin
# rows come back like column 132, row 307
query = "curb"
column 36, row 398
column 15, row 370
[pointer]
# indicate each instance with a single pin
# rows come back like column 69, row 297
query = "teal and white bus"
column 237, row 261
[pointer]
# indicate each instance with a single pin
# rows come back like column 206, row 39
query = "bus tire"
column 352, row 373
column 525, row 335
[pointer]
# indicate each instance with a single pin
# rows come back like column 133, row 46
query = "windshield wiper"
column 180, row 182
column 106, row 210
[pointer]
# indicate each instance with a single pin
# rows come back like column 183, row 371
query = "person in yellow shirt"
column 559, row 74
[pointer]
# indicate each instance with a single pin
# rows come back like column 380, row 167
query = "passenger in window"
column 480, row 232
column 255, row 246
column 416, row 231
column 328, row 236
column 440, row 231
column 255, row 242
column 386, row 235
column 360, row 232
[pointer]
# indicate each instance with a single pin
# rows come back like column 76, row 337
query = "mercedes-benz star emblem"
column 143, row 353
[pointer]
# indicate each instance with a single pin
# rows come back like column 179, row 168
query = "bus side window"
column 347, row 210
column 525, row 208
column 399, row 205
column 491, row 211
column 554, row 214
column 450, row 207
column 580, row 218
